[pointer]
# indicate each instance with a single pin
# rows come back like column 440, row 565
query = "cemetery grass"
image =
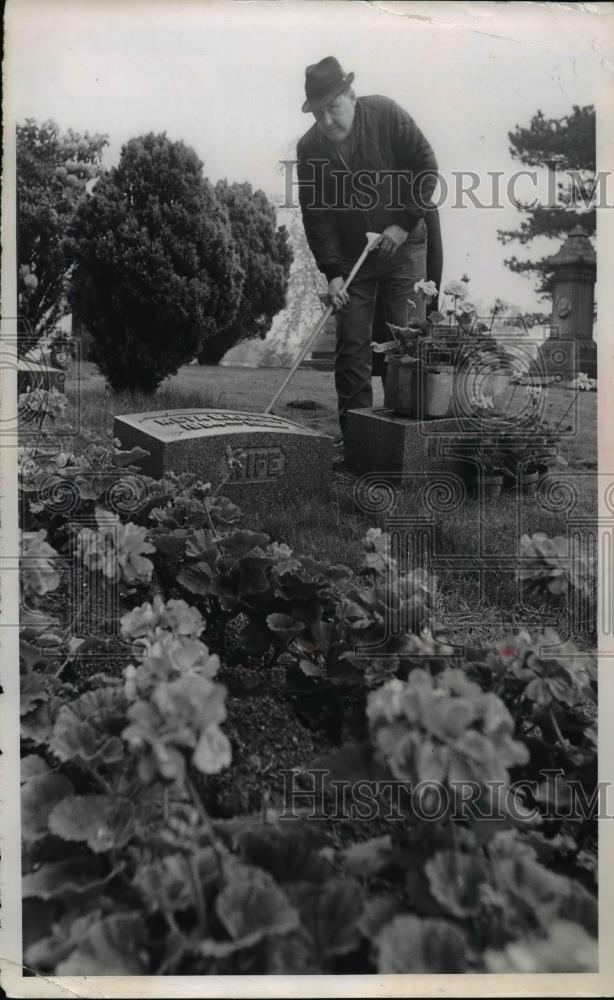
column 332, row 530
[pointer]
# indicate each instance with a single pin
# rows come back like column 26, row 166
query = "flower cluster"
column 176, row 705
column 148, row 621
column 465, row 310
column 42, row 403
column 378, row 556
column 583, row 382
column 443, row 729
column 548, row 670
column 426, row 288
column 27, row 465
column 479, row 401
column 116, row 550
column 38, row 574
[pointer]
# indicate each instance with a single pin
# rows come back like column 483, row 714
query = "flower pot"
column 528, row 483
column 491, row 484
column 418, row 391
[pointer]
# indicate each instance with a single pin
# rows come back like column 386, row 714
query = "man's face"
column 335, row 119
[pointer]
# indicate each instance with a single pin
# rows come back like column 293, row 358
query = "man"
column 364, row 166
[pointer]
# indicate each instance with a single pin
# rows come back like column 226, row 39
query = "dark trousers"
column 393, row 280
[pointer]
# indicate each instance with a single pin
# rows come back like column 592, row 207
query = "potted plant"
column 491, row 476
column 419, row 378
column 502, row 453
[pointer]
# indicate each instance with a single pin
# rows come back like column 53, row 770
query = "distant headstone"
column 33, row 375
column 322, row 357
column 571, row 348
column 279, row 459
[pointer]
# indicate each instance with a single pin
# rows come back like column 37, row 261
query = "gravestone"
column 377, row 440
column 322, row 356
column 571, row 348
column 33, row 375
column 279, row 459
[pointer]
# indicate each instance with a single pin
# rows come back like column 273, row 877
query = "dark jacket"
column 337, row 214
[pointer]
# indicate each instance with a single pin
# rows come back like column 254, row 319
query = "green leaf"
column 379, row 910
column 111, row 947
column 39, row 796
column 331, row 914
column 455, row 881
column 289, row 855
column 33, row 691
column 38, row 725
column 252, row 905
column 169, row 545
column 294, row 955
column 85, row 729
column 33, row 766
column 409, row 944
column 168, row 881
column 103, row 822
column 196, row 577
column 284, row 626
column 311, row 669
column 239, row 543
column 77, row 874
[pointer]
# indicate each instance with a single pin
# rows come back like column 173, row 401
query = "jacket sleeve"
column 319, row 221
column 414, row 154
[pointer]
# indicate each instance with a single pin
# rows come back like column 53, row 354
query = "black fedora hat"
column 323, row 82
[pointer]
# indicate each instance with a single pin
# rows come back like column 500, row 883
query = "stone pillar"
column 571, row 348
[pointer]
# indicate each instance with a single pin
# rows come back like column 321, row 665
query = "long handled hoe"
column 372, row 241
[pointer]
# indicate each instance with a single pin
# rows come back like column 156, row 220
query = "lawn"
column 473, row 549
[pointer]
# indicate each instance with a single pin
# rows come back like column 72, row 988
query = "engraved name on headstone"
column 258, row 464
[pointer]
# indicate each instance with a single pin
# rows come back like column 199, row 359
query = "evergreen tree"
column 567, row 145
column 265, row 255
column 157, row 270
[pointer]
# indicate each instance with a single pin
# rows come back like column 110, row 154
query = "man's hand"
column 338, row 298
column 392, row 238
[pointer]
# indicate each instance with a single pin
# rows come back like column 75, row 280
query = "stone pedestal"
column 378, row 441
column 280, row 460
column 574, row 271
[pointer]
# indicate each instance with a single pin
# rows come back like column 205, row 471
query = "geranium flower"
column 38, row 574
column 454, row 288
column 117, row 550
column 442, row 728
column 427, row 288
column 583, row 382
column 482, row 402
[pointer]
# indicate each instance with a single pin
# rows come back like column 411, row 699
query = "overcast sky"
column 228, row 78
